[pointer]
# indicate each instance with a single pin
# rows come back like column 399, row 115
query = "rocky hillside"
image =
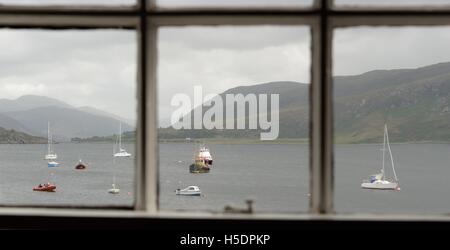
column 15, row 137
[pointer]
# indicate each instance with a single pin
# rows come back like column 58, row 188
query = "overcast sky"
column 362, row 49
column 83, row 68
column 222, row 58
column 98, row 69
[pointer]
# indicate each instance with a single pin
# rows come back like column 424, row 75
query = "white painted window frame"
column 146, row 18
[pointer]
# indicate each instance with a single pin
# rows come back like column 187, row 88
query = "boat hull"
column 50, row 157
column 122, row 155
column 114, row 191
column 50, row 188
column 189, row 191
column 190, row 194
column 380, row 186
column 52, row 164
column 80, row 167
column 198, row 168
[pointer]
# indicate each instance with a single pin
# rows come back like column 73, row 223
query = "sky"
column 361, row 49
column 98, row 67
column 220, row 58
column 83, row 68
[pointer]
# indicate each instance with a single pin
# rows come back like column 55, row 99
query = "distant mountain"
column 95, row 111
column 293, row 113
column 414, row 102
column 30, row 114
column 27, row 102
column 67, row 123
column 7, row 122
column 15, row 137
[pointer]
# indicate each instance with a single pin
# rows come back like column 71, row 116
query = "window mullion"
column 321, row 184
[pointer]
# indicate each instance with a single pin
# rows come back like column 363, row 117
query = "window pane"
column 398, row 77
column 68, row 2
column 257, row 63
column 387, row 3
column 76, row 88
column 233, row 3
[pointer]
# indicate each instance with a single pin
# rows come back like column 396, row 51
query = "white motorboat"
column 379, row 181
column 189, row 191
column 122, row 152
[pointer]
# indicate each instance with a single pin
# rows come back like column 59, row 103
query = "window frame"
column 323, row 17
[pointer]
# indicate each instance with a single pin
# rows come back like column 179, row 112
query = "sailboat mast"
column 390, row 153
column 384, row 150
column 49, row 139
column 120, row 136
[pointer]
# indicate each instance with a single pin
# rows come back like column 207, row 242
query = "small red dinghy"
column 45, row 188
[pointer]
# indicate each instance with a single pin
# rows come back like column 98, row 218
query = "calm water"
column 423, row 171
column 22, row 167
column 275, row 176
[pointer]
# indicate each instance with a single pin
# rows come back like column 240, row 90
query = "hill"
column 15, row 137
column 414, row 103
column 30, row 114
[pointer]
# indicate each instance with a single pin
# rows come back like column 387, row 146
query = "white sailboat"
column 379, row 181
column 114, row 189
column 50, row 154
column 122, row 152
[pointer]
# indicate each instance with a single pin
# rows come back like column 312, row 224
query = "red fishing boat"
column 45, row 187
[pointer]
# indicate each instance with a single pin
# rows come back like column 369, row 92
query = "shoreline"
column 237, row 141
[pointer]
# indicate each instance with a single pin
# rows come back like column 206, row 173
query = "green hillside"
column 413, row 102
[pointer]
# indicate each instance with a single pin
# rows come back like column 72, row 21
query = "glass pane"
column 233, row 3
column 387, row 3
column 257, row 63
column 398, row 77
column 67, row 2
column 64, row 97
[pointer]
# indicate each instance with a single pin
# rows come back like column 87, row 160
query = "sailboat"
column 114, row 189
column 50, row 154
column 122, row 152
column 378, row 181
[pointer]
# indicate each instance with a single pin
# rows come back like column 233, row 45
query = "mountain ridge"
column 414, row 102
column 30, row 114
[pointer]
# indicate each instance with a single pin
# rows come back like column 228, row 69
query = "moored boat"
column 114, row 189
column 80, row 165
column 204, row 154
column 122, row 152
column 189, row 191
column 52, row 164
column 199, row 166
column 379, row 181
column 45, row 187
column 50, row 154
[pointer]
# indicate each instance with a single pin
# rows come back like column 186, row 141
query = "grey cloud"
column 84, row 68
column 234, row 37
column 222, row 57
column 361, row 49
